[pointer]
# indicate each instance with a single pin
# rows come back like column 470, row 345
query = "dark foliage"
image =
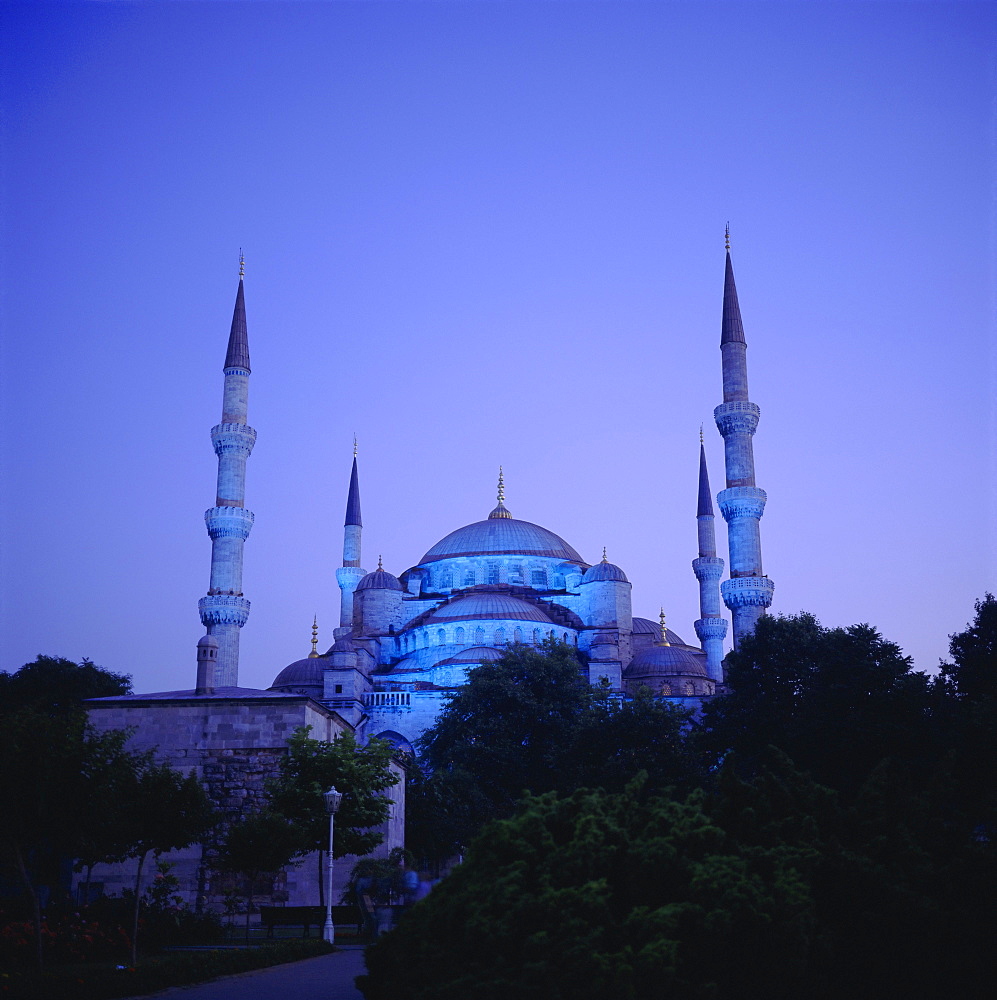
column 55, row 685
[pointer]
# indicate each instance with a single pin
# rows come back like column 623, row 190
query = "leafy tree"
column 57, row 686
column 53, row 771
column 531, row 722
column 310, row 768
column 837, row 701
column 614, row 739
column 166, row 811
column 261, row 844
column 972, row 679
column 601, row 895
column 508, row 726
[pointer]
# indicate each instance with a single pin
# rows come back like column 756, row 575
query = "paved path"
column 328, row 977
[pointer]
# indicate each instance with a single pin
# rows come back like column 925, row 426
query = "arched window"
column 479, row 636
column 689, row 689
column 565, row 637
column 469, row 577
column 517, row 635
column 538, row 578
column 441, row 637
column 499, row 636
column 558, row 580
column 516, row 573
column 666, row 690
column 459, row 635
column 446, row 580
column 538, row 636
column 493, row 573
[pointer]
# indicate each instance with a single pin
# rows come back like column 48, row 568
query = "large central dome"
column 498, row 536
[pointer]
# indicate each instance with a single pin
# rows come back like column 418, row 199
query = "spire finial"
column 664, row 631
column 700, row 435
column 380, row 567
column 500, row 509
column 604, row 559
column 314, row 653
column 242, row 264
column 354, row 446
column 727, row 237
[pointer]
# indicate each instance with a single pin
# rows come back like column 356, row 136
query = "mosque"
column 406, row 642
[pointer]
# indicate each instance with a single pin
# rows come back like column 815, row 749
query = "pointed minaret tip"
column 705, row 507
column 314, row 653
column 237, row 355
column 353, row 497
column 727, row 237
column 731, row 328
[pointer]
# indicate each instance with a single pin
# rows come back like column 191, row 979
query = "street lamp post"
column 332, row 801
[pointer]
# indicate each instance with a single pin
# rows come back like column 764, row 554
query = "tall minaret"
column 224, row 611
column 709, row 567
column 350, row 573
column 748, row 592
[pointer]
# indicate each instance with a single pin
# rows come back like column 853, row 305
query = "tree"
column 532, row 722
column 972, row 679
column 54, row 770
column 260, row 844
column 507, row 727
column 166, row 811
column 58, row 686
column 601, row 895
column 837, row 701
column 361, row 773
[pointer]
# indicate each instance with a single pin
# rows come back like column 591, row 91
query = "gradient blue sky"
column 483, row 233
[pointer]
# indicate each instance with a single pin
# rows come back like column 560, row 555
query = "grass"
column 178, row 968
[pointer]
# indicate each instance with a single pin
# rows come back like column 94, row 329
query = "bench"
column 302, row 916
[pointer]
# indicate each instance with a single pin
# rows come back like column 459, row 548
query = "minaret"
column 748, row 592
column 350, row 573
column 710, row 627
column 224, row 611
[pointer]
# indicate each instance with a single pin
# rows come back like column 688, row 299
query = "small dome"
column 488, row 606
column 604, row 571
column 644, row 626
column 306, row 672
column 208, row 640
column 476, row 654
column 380, row 579
column 660, row 661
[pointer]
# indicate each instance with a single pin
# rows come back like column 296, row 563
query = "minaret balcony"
column 227, row 438
column 742, row 501
column 228, row 522
column 223, row 609
column 708, row 567
column 737, row 418
column 747, row 591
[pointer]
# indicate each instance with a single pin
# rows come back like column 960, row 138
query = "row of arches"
column 479, row 635
column 539, row 577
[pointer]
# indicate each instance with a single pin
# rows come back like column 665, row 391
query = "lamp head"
column 332, row 800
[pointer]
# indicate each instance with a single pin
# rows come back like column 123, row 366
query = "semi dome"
column 380, row 579
column 604, row 571
column 498, row 536
column 302, row 673
column 644, row 626
column 476, row 654
column 661, row 661
column 488, row 606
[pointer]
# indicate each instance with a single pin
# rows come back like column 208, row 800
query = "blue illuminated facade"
column 405, row 642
